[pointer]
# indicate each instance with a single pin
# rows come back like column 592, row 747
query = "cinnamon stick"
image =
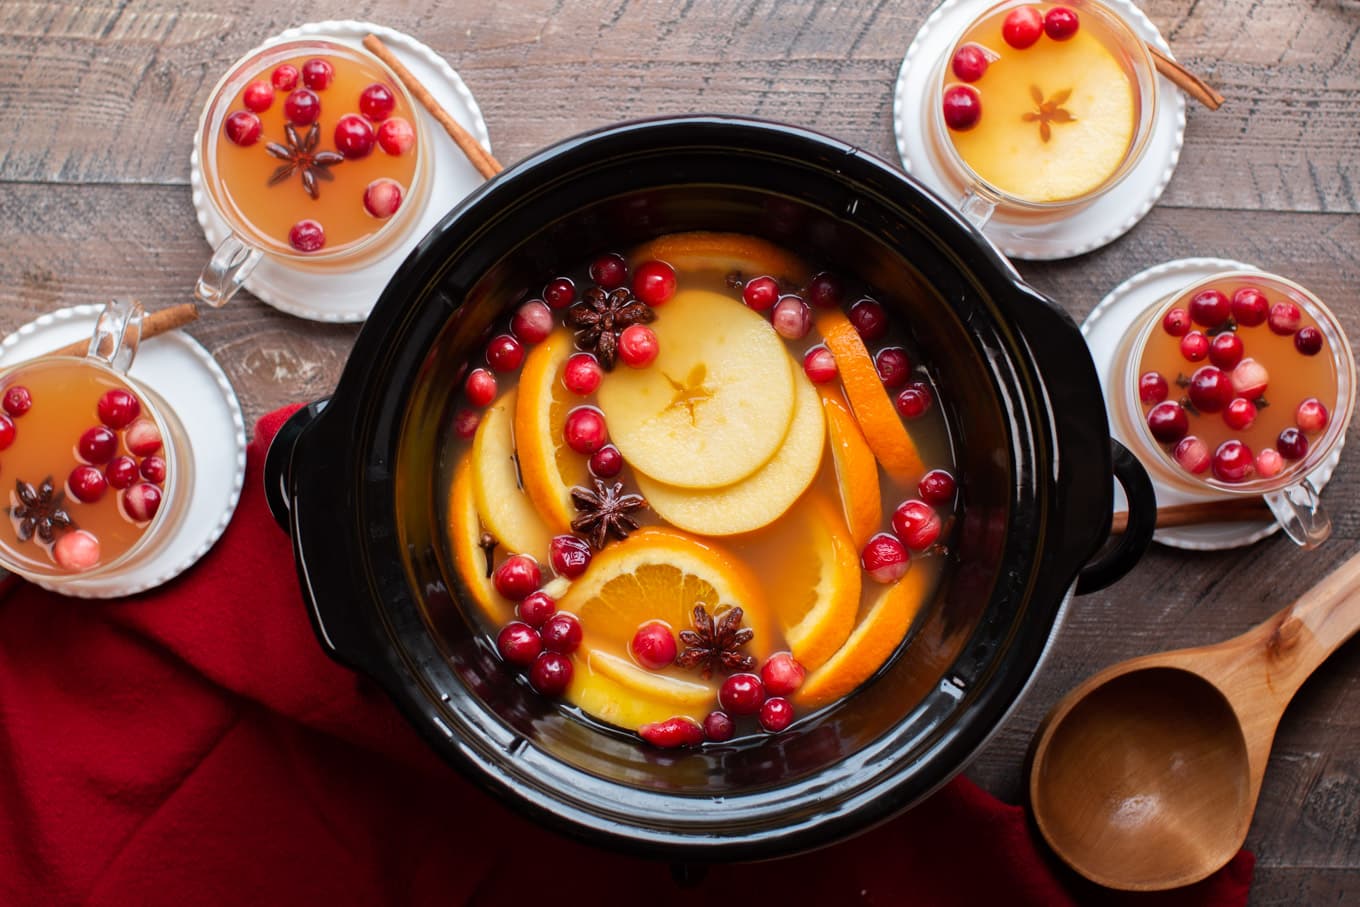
column 486, row 165
column 177, row 316
column 1244, row 511
column 1186, row 80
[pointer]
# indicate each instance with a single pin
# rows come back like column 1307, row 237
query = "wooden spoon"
column 1145, row 777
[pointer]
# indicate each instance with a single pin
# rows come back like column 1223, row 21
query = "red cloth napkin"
column 194, row 746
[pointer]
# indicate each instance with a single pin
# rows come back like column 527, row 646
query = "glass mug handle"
column 976, row 208
column 116, row 334
column 231, row 264
column 1300, row 513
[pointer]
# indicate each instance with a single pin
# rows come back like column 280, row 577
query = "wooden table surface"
column 99, row 101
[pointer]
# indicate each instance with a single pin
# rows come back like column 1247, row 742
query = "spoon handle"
column 1300, row 637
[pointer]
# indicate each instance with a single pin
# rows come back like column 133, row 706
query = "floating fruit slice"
column 505, row 509
column 468, row 557
column 762, row 497
column 549, row 468
column 603, row 697
column 856, row 468
column 883, row 429
column 724, row 253
column 678, row 692
column 714, row 406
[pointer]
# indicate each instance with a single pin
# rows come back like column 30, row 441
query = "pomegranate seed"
column 480, row 387
column 937, row 487
column 1250, row 307
column 519, row 643
column 116, row 408
column 638, row 346
column 141, row 501
column 153, row 470
column 353, row 136
column 1311, row 415
column 760, row 293
column 535, row 608
column 87, row 483
column 551, row 674
column 606, row 462
column 504, row 353
column 1210, row 389
column 1308, row 341
column 377, row 102
column 561, row 633
column 97, row 445
column 382, row 198
column 532, row 322
column 1284, row 318
column 317, row 74
column 258, row 96
column 869, row 319
column 741, row 694
column 1168, row 422
column 569, row 555
column 1249, row 379
column 825, row 290
column 917, row 524
column 582, row 374
column 962, row 107
column 914, row 400
column 610, row 271
column 242, row 128
column 1225, row 351
column 301, row 107
column 776, row 713
column 654, row 282
column 584, row 430
column 1195, row 346
column 1233, row 461
column 1176, row 322
column 307, row 236
column 672, row 733
column 782, row 674
column 885, row 558
column 719, row 726
column 396, row 136
column 142, row 438
column 1269, row 463
column 1061, row 23
column 820, row 365
column 517, row 576
column 893, row 366
column 1152, row 388
column 1292, row 444
column 969, row 63
column 76, row 551
column 1209, row 308
column 1239, row 414
column 6, row 432
column 559, row 293
column 465, row 422
column 122, row 472
column 19, row 400
column 654, row 645
column 791, row 317
column 284, row 77
column 1192, row 454
column 1022, row 27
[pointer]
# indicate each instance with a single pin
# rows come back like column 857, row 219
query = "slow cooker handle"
column 1120, row 559
column 277, row 491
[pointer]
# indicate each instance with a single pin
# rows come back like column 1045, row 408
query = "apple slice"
column 506, row 511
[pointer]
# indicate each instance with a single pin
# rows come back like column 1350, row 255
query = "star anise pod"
column 717, row 644
column 301, row 155
column 40, row 511
column 605, row 512
column 1050, row 111
column 601, row 316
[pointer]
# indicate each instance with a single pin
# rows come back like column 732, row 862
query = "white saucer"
column 1106, row 326
column 1104, row 220
column 349, row 296
column 195, row 387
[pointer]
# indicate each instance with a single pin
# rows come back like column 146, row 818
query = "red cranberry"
column 782, row 674
column 791, row 317
column 569, row 555
column 609, row 270
column 606, row 462
column 301, row 107
column 284, row 77
column 465, row 422
column 519, row 644
column 153, row 470
column 242, row 128
column 551, row 674
column 869, row 319
column 1192, row 454
column 382, row 198
column 76, row 551
column 917, row 524
column 937, row 487
column 532, row 322
column 962, row 107
column 1250, row 379
column 1284, row 318
column 719, row 726
column 741, row 694
column 396, row 136
column 776, row 713
column 825, row 290
column 893, row 366
column 142, row 438
column 1061, row 23
column 1269, row 463
column 19, row 400
column 1225, row 351
column 885, row 558
column 914, row 400
column 1239, row 414
column 1311, row 415
column 535, row 608
column 480, row 387
column 307, row 236
column 1195, row 346
column 1250, row 307
column 760, row 293
column 1022, row 27
column 561, row 633
column 584, row 430
column 559, row 293
column 1232, row 461
column 141, row 501
column 654, row 282
column 6, row 431
column 638, row 346
column 582, row 374
column 673, row 733
column 820, row 365
column 97, row 445
column 376, row 102
column 87, row 483
column 1292, row 444
column 353, row 136
column 504, row 353
column 654, row 645
column 1308, row 341
column 969, row 63
column 116, row 408
column 122, row 472
column 1152, row 388
column 1210, row 389
column 1168, row 422
column 317, row 74
column 517, row 576
column 258, row 96
column 1176, row 322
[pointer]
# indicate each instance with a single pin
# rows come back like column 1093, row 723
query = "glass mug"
column 263, row 201
column 999, row 165
column 1290, row 493
column 96, row 484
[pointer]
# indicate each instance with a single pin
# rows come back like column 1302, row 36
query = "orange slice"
column 675, row 691
column 468, row 558
column 878, row 419
column 724, row 253
column 856, row 467
column 601, row 696
column 506, row 511
column 547, row 465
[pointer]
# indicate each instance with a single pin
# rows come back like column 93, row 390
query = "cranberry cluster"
column 916, row 527
column 138, row 476
column 763, row 696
